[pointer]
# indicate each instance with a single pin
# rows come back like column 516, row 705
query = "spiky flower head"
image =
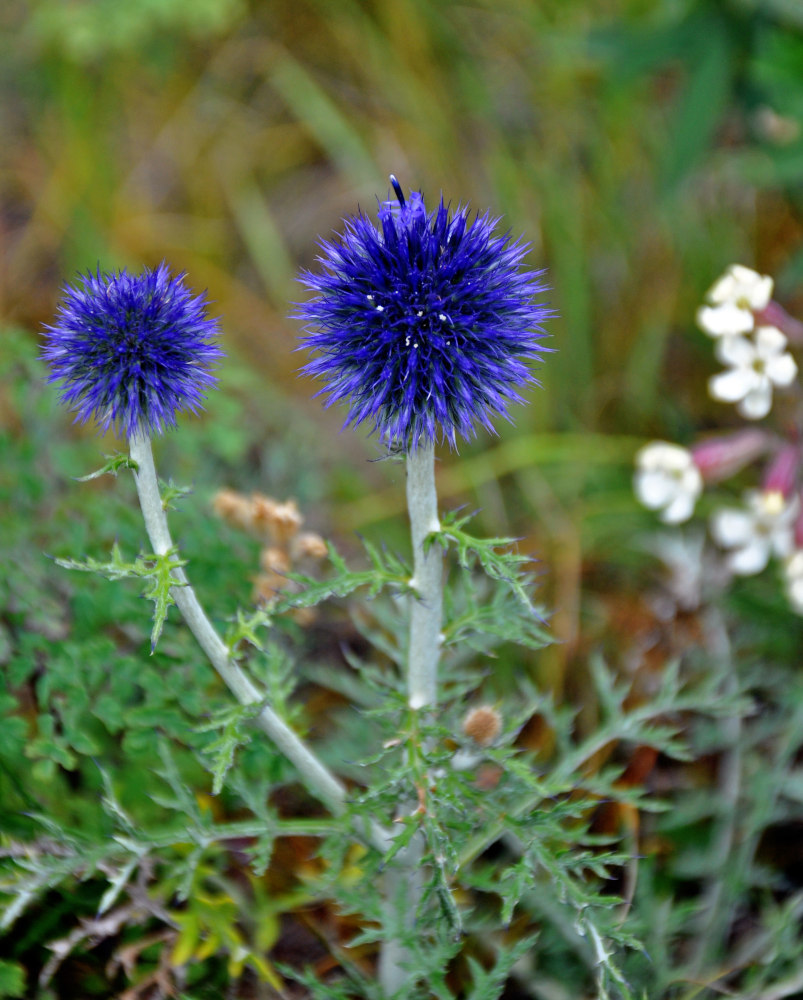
column 129, row 350
column 425, row 324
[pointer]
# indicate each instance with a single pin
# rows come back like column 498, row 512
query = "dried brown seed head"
column 277, row 521
column 234, row 508
column 483, row 725
column 288, row 520
column 273, row 560
column 308, row 545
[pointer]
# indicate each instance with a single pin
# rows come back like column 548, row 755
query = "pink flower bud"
column 798, row 525
column 775, row 315
column 718, row 458
column 781, row 473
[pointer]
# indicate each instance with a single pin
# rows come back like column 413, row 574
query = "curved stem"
column 315, row 775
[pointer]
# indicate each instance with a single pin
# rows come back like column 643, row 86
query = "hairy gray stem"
column 427, row 601
column 315, row 775
column 404, row 879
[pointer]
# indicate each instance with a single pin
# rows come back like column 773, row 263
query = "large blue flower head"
column 426, row 324
column 131, row 350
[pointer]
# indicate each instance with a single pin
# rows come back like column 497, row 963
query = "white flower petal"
column 769, row 341
column 783, row 541
column 691, row 481
column 724, row 320
column 744, row 286
column 761, row 292
column 729, row 387
column 680, row 509
column 654, row 489
column 758, row 402
column 662, row 454
column 731, row 527
column 723, row 289
column 750, row 559
column 794, row 592
column 736, row 352
column 794, row 566
column 794, row 580
column 743, row 275
column 781, row 370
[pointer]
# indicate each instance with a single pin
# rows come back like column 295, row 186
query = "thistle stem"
column 315, row 775
column 403, row 880
column 426, row 609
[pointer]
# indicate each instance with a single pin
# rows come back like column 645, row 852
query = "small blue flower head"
column 131, row 350
column 425, row 323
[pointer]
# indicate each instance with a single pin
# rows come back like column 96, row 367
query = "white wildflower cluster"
column 763, row 528
column 755, row 356
column 669, row 479
column 733, row 301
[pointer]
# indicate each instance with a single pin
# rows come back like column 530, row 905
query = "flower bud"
column 782, row 472
column 774, row 314
column 483, row 725
column 720, row 457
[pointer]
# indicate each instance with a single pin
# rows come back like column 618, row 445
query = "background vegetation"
column 641, row 146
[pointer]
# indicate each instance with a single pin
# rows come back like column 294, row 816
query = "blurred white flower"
column 732, row 301
column 793, row 571
column 667, row 480
column 756, row 365
column 766, row 528
column 742, row 286
column 727, row 320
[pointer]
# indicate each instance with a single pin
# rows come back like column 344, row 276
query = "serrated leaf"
column 113, row 465
column 495, row 556
column 116, row 885
column 386, row 571
column 162, row 581
column 156, row 570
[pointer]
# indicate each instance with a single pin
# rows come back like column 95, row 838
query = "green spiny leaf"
column 113, row 465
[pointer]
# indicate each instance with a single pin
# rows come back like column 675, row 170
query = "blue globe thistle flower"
column 131, row 350
column 425, row 323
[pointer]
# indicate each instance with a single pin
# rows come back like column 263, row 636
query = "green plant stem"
column 316, row 777
column 427, row 602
